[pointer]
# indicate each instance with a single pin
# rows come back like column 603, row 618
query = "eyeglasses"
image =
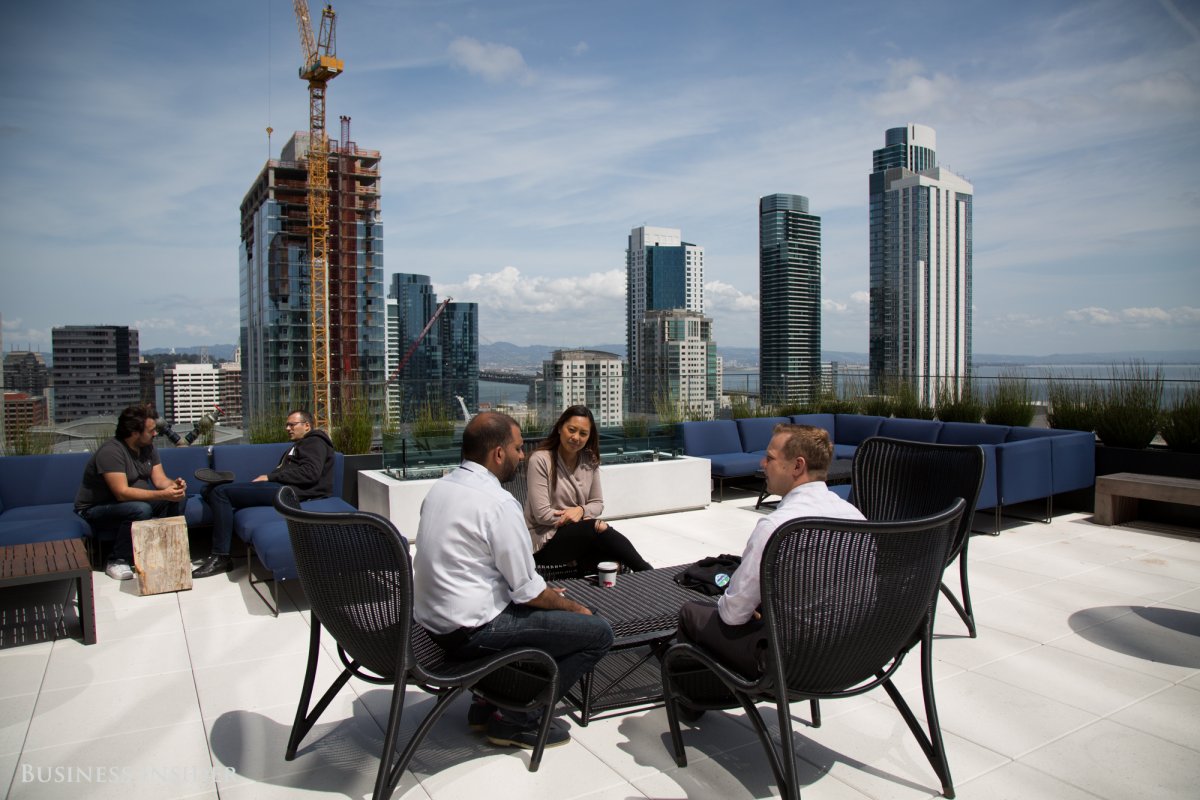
column 294, row 424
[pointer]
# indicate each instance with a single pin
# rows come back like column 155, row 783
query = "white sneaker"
column 119, row 570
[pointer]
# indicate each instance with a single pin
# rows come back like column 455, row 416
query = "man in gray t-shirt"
column 123, row 482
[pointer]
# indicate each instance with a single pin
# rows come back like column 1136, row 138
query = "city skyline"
column 521, row 142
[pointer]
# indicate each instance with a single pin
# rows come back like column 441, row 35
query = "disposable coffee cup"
column 607, row 574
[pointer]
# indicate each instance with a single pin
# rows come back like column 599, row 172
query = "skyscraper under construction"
column 276, row 335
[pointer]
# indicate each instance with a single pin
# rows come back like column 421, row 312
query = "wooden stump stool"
column 160, row 555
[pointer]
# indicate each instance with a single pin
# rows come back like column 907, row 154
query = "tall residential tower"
column 920, row 240
column 789, row 285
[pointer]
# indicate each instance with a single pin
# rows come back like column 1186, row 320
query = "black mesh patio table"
column 643, row 609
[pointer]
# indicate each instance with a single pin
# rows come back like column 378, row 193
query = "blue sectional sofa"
column 261, row 528
column 1022, row 464
column 37, row 499
column 37, row 494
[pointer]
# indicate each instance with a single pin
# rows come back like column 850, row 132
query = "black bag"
column 709, row 575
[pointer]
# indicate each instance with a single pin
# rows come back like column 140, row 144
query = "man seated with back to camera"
column 307, row 467
column 124, row 482
column 795, row 466
column 476, row 588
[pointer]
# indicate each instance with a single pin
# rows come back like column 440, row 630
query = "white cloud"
column 509, row 291
column 861, row 298
column 495, row 63
column 580, row 48
column 1137, row 317
column 721, row 296
column 829, row 305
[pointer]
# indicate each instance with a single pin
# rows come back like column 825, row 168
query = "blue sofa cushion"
column 844, row 450
column 1072, row 455
column 1023, row 471
column 270, row 539
column 273, row 547
column 247, row 520
column 755, row 432
column 972, row 433
column 734, row 465
column 40, row 480
column 248, row 461
column 712, row 437
column 47, row 528
column 911, row 430
column 855, row 428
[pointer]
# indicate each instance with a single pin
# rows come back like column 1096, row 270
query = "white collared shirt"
column 474, row 556
column 813, row 499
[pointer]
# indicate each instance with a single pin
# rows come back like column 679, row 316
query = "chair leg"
column 931, row 740
column 784, row 775
column 535, row 758
column 395, row 770
column 814, row 709
column 673, row 722
column 305, row 720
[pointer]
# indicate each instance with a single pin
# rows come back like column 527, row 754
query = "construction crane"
column 321, row 65
column 413, row 347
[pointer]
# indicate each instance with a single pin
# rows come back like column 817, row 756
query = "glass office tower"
column 789, row 285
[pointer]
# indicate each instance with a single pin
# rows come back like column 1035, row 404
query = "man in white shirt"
column 795, row 465
column 476, row 589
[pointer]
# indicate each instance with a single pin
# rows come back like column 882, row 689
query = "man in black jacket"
column 307, row 467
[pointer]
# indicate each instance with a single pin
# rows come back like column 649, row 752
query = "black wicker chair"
column 896, row 479
column 842, row 602
column 355, row 570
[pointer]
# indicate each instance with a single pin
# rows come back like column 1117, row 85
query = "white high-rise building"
column 662, row 272
column 189, row 390
column 921, row 255
column 585, row 377
column 679, row 370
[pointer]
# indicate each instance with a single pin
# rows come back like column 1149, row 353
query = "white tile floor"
column 1084, row 682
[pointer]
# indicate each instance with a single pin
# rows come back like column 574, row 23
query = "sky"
column 522, row 140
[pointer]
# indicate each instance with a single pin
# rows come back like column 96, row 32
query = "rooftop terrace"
column 1084, row 682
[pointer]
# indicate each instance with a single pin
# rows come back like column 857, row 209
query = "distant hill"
column 217, row 352
column 529, row 358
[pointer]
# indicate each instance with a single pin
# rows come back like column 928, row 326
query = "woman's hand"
column 601, row 526
column 568, row 515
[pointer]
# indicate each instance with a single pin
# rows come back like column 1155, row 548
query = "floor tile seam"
column 871, row 770
column 208, row 745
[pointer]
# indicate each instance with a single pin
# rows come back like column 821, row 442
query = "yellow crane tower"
column 321, row 65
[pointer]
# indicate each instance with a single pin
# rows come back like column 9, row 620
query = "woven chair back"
column 356, row 573
column 842, row 599
column 896, row 479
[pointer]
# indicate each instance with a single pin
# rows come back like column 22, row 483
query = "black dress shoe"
column 213, row 565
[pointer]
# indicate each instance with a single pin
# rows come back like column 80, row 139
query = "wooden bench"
column 1117, row 495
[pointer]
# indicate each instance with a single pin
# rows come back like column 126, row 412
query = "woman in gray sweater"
column 564, row 502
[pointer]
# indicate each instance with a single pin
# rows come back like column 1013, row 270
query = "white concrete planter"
column 630, row 490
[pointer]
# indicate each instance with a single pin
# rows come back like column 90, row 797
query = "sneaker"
column 503, row 733
column 119, row 570
column 478, row 715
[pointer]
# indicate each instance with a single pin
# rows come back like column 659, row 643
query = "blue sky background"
column 522, row 140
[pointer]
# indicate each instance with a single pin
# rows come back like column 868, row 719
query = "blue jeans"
column 226, row 498
column 575, row 641
column 116, row 519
